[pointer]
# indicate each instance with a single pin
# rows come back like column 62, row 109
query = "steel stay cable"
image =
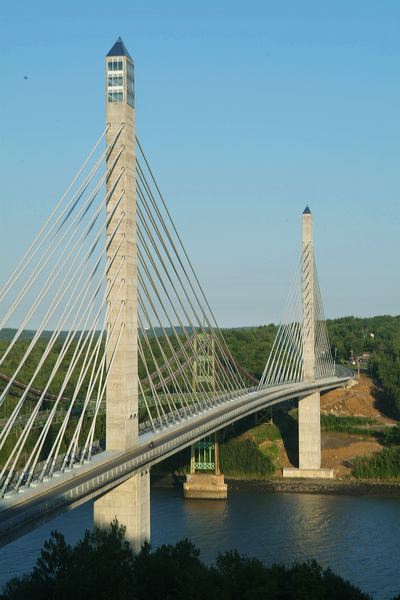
column 150, row 235
column 151, row 280
column 141, row 303
column 181, row 369
column 60, row 357
column 281, row 340
column 183, row 248
column 57, row 267
column 145, row 336
column 288, row 341
column 101, row 395
column 82, row 375
column 71, row 451
column 319, row 348
column 68, row 458
column 37, row 407
column 319, row 358
column 224, row 350
column 89, row 439
column 149, row 255
column 20, row 445
column 48, row 255
column 92, row 384
column 165, row 365
column 73, row 363
column 157, row 273
column 296, row 373
column 265, row 375
column 24, row 262
column 296, row 352
column 174, row 354
column 61, row 322
column 323, row 320
column 277, row 372
column 110, row 262
column 147, row 406
column 152, row 388
column 162, row 262
column 291, row 346
column 291, row 353
column 324, row 348
column 76, row 355
column 60, row 295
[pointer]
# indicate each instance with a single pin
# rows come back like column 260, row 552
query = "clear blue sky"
column 248, row 112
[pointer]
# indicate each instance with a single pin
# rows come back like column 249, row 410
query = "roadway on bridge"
column 19, row 513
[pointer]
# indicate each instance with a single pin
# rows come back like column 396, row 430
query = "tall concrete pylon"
column 309, row 411
column 130, row 501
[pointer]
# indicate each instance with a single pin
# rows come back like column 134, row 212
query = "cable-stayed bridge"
column 106, row 334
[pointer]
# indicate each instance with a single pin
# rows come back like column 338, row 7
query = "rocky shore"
column 343, row 487
column 321, row 486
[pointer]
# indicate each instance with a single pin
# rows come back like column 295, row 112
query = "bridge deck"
column 19, row 513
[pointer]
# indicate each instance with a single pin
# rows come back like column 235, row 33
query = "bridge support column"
column 206, row 485
column 129, row 502
column 309, row 417
column 309, row 432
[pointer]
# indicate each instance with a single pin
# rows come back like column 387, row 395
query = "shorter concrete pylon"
column 129, row 503
column 309, row 417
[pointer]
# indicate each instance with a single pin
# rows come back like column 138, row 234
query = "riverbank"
column 334, row 487
column 321, row 486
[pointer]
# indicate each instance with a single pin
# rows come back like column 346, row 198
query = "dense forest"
column 250, row 346
column 103, row 566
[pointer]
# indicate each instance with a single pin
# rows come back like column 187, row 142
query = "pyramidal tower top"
column 307, row 226
column 119, row 49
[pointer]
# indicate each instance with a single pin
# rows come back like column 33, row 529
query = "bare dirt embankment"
column 360, row 400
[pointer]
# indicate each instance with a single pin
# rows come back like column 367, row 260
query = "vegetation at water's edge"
column 382, row 465
column 103, row 566
column 243, row 457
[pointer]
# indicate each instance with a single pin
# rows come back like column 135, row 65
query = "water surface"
column 358, row 537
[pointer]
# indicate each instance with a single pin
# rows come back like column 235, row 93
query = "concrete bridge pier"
column 129, row 503
column 205, row 481
column 309, row 417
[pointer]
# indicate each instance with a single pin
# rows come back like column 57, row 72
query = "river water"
column 358, row 537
